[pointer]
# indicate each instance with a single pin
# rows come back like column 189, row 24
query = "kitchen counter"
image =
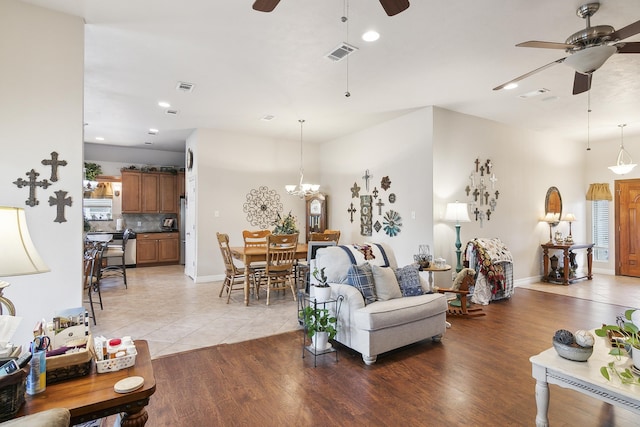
column 155, row 231
column 117, row 235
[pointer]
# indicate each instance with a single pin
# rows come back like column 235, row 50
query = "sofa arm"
column 352, row 297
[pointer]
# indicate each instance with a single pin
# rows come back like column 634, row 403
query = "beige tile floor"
column 165, row 307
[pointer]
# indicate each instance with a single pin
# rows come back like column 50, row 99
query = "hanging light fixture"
column 624, row 164
column 302, row 190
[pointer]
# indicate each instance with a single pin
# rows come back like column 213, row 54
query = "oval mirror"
column 553, row 202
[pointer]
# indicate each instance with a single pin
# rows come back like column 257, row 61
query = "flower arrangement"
column 285, row 225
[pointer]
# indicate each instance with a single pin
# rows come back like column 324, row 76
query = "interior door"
column 627, row 205
column 190, row 228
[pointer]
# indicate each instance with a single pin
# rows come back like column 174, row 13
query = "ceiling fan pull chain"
column 345, row 19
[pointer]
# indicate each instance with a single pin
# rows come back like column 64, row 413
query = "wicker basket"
column 12, row 389
column 113, row 365
column 66, row 366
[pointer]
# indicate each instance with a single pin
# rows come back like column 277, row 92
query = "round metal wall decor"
column 392, row 223
column 262, row 207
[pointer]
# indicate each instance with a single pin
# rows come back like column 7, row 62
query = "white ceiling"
column 247, row 64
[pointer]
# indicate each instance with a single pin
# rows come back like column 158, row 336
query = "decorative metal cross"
column 493, row 180
column 482, row 189
column 481, row 170
column 379, row 204
column 486, row 197
column 472, row 178
column 477, row 162
column 488, row 214
column 476, row 212
column 467, row 190
column 367, row 176
column 497, row 193
column 375, row 192
column 475, row 193
column 54, row 162
column 355, row 191
column 60, row 201
column 481, row 217
column 493, row 204
column 32, row 184
column 489, row 165
column 351, row 211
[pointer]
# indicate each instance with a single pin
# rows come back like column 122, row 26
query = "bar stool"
column 117, row 252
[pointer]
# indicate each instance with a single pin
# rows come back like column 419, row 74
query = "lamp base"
column 4, row 301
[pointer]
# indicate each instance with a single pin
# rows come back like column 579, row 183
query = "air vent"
column 268, row 117
column 172, row 112
column 537, row 92
column 185, row 87
column 341, row 51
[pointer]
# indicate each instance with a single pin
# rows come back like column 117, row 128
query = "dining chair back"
column 335, row 234
column 117, row 252
column 280, row 259
column 255, row 238
column 324, row 237
column 91, row 272
column 234, row 276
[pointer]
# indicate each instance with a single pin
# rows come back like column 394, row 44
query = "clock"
column 315, row 207
column 316, row 214
column 189, row 159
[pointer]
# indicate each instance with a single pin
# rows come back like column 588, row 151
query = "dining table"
column 256, row 254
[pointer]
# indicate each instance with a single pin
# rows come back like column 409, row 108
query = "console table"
column 584, row 377
column 566, row 250
column 92, row 396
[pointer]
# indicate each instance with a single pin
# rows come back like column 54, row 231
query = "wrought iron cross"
column 467, row 190
column 477, row 162
column 54, row 163
column 493, row 180
column 489, row 165
column 476, row 212
column 32, row 184
column 351, row 211
column 379, row 204
column 375, row 192
column 61, row 200
column 367, row 176
column 475, row 193
column 355, row 190
column 488, row 214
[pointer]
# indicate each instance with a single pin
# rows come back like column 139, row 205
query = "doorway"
column 627, row 227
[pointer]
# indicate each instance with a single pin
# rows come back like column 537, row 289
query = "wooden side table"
column 566, row 250
column 431, row 270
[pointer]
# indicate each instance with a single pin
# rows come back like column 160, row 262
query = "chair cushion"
column 409, row 280
column 385, row 282
column 361, row 278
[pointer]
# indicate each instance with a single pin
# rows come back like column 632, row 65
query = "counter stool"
column 118, row 252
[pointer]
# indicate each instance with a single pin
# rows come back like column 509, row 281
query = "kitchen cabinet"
column 181, row 184
column 157, row 248
column 149, row 192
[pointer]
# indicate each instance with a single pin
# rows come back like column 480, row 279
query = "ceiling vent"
column 341, row 51
column 536, row 92
column 172, row 112
column 268, row 117
column 185, row 87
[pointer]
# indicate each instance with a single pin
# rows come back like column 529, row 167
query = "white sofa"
column 379, row 326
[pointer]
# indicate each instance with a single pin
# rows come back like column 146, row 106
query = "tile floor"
column 165, row 307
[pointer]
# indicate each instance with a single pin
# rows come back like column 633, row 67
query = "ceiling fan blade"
column 628, row 31
column 545, row 45
column 393, row 7
column 265, row 5
column 524, row 76
column 631, row 47
column 581, row 83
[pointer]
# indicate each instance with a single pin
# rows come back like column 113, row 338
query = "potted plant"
column 285, row 225
column 322, row 290
column 320, row 325
column 625, row 338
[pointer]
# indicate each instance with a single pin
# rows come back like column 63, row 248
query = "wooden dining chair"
column 255, row 238
column 324, row 237
column 281, row 254
column 335, row 234
column 234, row 276
column 91, row 272
column 117, row 252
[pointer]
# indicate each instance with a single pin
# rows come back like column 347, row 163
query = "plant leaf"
column 605, row 372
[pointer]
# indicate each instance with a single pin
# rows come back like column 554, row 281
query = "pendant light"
column 624, row 164
column 302, row 190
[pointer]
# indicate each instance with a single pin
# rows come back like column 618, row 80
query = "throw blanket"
column 489, row 253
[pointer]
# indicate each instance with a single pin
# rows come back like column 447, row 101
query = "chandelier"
column 624, row 164
column 302, row 190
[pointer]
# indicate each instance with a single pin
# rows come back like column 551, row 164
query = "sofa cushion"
column 337, row 259
column 399, row 311
column 409, row 280
column 361, row 278
column 385, row 282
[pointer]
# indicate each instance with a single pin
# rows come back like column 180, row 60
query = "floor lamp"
column 457, row 212
column 19, row 255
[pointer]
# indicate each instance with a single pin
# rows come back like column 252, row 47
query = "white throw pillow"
column 385, row 282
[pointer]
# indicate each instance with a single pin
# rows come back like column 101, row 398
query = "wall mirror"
column 553, row 202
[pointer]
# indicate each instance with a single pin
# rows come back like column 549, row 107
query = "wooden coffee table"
column 549, row 368
column 92, row 396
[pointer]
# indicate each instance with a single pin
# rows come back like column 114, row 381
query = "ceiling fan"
column 588, row 48
column 392, row 7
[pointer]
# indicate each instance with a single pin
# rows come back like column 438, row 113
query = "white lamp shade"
column 457, row 212
column 569, row 217
column 19, row 255
column 552, row 217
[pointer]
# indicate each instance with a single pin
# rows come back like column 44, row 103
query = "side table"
column 566, row 249
column 431, row 269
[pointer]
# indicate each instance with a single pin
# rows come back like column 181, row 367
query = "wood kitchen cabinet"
column 149, row 192
column 157, row 248
column 181, row 184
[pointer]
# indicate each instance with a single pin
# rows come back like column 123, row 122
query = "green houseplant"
column 318, row 321
column 285, row 225
column 626, row 339
column 92, row 170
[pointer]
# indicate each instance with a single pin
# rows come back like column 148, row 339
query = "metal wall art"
column 366, row 215
column 392, row 223
column 262, row 207
column 482, row 190
column 60, row 201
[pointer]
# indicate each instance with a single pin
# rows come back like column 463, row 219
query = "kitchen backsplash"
column 136, row 222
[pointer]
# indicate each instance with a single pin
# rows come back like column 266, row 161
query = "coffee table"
column 584, row 377
column 92, row 396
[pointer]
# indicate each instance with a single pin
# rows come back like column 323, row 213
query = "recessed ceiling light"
column 153, row 131
column 148, row 143
column 510, row 86
column 164, row 104
column 99, row 138
column 371, row 36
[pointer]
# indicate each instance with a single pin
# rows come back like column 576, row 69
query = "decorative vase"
column 321, row 294
column 320, row 340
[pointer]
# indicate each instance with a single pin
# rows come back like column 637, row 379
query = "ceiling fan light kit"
column 624, row 163
column 588, row 49
column 391, row 7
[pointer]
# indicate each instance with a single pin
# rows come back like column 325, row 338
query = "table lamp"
column 19, row 255
column 551, row 219
column 457, row 212
column 569, row 218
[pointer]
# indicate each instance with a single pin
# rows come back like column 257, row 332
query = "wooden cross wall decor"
column 481, row 176
column 32, row 183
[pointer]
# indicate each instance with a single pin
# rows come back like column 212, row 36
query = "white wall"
column 526, row 164
column 41, row 106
